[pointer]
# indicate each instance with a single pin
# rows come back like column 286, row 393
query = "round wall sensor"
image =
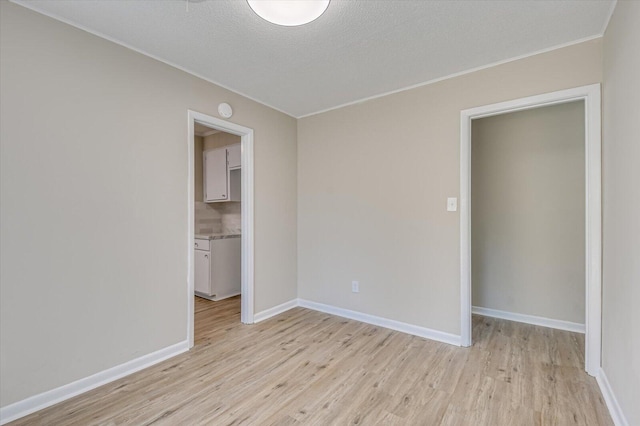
column 224, row 109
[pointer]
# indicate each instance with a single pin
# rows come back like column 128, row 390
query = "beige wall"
column 94, row 202
column 373, row 179
column 528, row 210
column 621, row 216
column 218, row 140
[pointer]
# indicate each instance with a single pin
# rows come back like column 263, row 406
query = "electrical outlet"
column 355, row 286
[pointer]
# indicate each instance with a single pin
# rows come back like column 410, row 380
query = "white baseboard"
column 609, row 397
column 530, row 319
column 34, row 403
column 403, row 327
column 271, row 312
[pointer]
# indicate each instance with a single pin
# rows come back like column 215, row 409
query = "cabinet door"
column 216, row 175
column 234, row 156
column 202, row 273
column 226, row 258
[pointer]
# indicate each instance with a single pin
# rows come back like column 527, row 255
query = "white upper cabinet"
column 222, row 174
column 234, row 156
column 216, row 175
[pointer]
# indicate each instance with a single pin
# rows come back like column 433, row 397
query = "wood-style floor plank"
column 308, row 368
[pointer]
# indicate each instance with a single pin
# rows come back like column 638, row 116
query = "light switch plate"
column 452, row 204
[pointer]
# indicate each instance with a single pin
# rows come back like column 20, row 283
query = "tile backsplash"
column 231, row 223
column 216, row 218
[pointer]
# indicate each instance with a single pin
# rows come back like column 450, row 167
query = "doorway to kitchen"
column 220, row 211
column 589, row 98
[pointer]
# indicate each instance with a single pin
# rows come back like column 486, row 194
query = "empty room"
column 319, row 212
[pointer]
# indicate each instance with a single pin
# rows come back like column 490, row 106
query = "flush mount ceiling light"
column 289, row 13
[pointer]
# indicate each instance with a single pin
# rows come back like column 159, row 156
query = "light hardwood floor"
column 306, row 367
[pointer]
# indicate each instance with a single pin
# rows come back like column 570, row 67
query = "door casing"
column 246, row 211
column 593, row 210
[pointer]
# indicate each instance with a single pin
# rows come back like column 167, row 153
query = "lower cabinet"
column 217, row 268
column 202, row 267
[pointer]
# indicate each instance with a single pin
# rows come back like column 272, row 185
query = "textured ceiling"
column 355, row 50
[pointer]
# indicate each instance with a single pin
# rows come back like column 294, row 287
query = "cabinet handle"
column 196, row 244
column 223, row 195
column 206, row 256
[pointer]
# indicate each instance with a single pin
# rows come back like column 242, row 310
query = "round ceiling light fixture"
column 289, row 13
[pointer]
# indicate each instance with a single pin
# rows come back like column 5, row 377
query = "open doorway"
column 587, row 99
column 217, row 223
column 527, row 231
column 527, row 222
column 220, row 211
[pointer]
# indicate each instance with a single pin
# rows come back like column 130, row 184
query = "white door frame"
column 247, row 288
column 593, row 211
